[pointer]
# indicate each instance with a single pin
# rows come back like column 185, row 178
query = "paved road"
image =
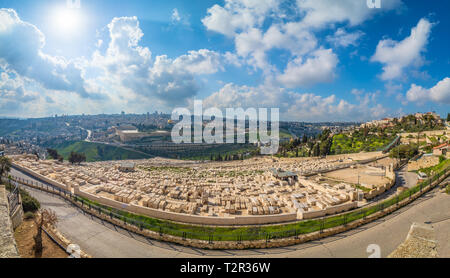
column 101, row 239
column 402, row 178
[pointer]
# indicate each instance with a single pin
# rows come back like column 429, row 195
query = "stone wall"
column 8, row 248
column 39, row 176
column 390, row 174
column 17, row 216
column 344, row 166
column 423, row 162
column 327, row 211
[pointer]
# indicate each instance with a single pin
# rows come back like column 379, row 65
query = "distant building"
column 284, row 175
column 442, row 150
column 128, row 133
column 127, row 167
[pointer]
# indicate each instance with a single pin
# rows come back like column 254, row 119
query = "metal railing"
column 14, row 200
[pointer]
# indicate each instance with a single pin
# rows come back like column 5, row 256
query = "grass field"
column 207, row 152
column 98, row 152
column 437, row 168
column 353, row 144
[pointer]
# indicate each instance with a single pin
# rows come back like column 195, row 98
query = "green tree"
column 316, row 150
column 53, row 153
column 404, row 151
column 305, row 139
column 77, row 157
column 5, row 165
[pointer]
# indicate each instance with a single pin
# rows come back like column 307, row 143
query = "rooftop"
column 441, row 146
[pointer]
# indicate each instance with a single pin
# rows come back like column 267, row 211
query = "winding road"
column 103, row 240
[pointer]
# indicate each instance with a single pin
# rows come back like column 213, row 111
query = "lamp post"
column 358, row 178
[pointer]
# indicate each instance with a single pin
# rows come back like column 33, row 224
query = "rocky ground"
column 420, row 243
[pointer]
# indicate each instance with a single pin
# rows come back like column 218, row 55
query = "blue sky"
column 316, row 60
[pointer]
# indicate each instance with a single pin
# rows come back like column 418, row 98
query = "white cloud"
column 203, row 61
column 258, row 27
column 344, row 39
column 15, row 94
column 319, row 14
column 238, row 15
column 440, row 93
column 297, row 106
column 125, row 74
column 316, row 69
column 396, row 56
column 131, row 71
column 232, row 59
column 176, row 15
column 177, row 18
column 21, row 50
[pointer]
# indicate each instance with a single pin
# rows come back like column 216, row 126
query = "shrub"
column 29, row 203
column 448, row 189
column 28, row 215
column 404, row 151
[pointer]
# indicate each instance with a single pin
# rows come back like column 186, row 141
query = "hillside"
column 98, row 152
column 343, row 143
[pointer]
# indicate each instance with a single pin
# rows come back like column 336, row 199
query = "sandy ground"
column 351, row 176
column 355, row 156
column 367, row 176
column 24, row 239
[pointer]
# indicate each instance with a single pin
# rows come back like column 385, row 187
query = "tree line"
column 74, row 157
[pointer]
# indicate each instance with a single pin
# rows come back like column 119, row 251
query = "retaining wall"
column 327, row 211
column 41, row 177
column 8, row 248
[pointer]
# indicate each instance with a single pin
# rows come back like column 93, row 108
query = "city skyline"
column 316, row 61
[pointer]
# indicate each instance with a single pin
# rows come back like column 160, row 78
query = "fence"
column 14, row 200
column 391, row 145
column 235, row 234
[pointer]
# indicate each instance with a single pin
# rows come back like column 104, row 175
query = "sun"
column 67, row 21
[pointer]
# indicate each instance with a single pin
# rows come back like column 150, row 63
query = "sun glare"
column 67, row 21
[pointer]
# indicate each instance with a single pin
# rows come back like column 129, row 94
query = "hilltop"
column 98, row 152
